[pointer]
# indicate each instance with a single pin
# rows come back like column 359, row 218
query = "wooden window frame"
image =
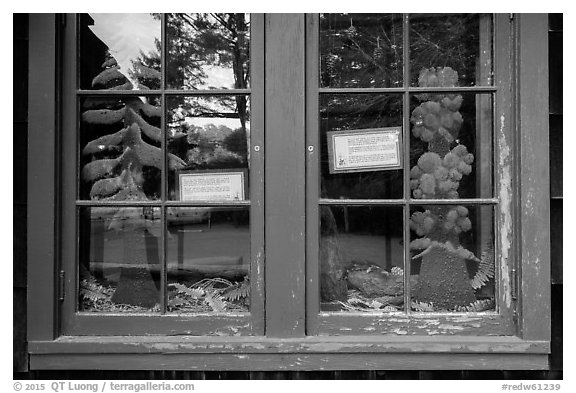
column 522, row 134
column 86, row 323
column 501, row 322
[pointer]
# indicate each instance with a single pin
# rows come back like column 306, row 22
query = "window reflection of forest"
column 120, row 253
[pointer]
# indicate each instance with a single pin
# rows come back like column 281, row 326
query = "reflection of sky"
column 202, row 121
column 219, row 77
column 128, row 34
column 214, row 105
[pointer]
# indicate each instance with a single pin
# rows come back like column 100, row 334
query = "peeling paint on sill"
column 450, row 327
column 505, row 173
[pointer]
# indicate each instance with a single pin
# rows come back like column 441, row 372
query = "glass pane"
column 358, row 112
column 452, row 251
column 361, row 258
column 459, row 44
column 119, row 51
column 120, row 155
column 211, row 135
column 119, row 259
column 208, row 259
column 451, row 149
column 361, row 50
column 208, row 51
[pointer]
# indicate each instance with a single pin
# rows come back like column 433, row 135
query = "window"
column 246, row 191
column 168, row 202
column 422, row 200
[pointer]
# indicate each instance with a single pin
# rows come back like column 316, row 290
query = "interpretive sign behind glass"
column 228, row 185
column 364, row 150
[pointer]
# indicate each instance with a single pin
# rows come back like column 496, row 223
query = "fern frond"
column 375, row 304
column 194, row 293
column 92, row 291
column 238, row 291
column 355, row 301
column 349, row 307
column 91, row 294
column 215, row 301
column 477, row 306
column 485, row 269
column 422, row 306
column 207, row 283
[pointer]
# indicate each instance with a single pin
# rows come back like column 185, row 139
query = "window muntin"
column 441, row 114
column 137, row 136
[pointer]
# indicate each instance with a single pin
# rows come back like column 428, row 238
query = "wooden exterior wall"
column 20, row 192
column 20, row 151
column 555, row 125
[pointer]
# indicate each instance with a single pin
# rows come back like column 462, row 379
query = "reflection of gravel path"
column 222, row 240
column 227, row 241
column 368, row 248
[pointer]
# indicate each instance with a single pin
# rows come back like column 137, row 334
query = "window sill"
column 310, row 353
